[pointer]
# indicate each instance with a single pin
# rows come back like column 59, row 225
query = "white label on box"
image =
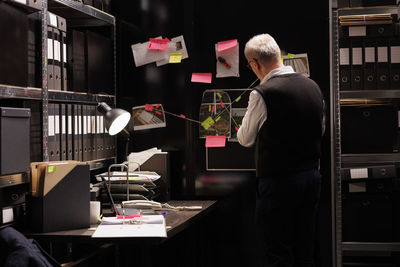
column 382, row 54
column 49, row 49
column 24, row 2
column 357, row 31
column 57, row 50
column 63, row 125
column 56, row 124
column 76, row 131
column 52, row 20
column 395, row 54
column 359, row 173
column 357, row 187
column 80, row 124
column 370, row 54
column 8, row 215
column 344, row 56
column 93, row 124
column 50, row 124
column 101, row 124
column 85, row 130
column 65, row 53
column 69, row 124
column 357, row 56
column 89, row 124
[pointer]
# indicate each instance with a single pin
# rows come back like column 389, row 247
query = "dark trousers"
column 286, row 214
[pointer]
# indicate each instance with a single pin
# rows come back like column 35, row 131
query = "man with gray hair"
column 284, row 120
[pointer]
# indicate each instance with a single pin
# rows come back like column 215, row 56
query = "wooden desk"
column 176, row 221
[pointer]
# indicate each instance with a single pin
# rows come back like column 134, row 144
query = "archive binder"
column 50, row 59
column 57, row 132
column 344, row 64
column 92, row 135
column 57, row 59
column 369, row 65
column 383, row 64
column 63, row 132
column 51, row 133
column 70, row 135
column 356, row 64
column 395, row 64
column 80, row 133
column 64, row 75
column 85, row 135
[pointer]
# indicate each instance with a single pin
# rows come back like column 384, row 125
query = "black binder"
column 64, row 74
column 57, row 59
column 50, row 59
column 34, row 51
column 383, row 30
column 76, row 61
column 51, row 133
column 383, row 64
column 395, row 63
column 69, row 116
column 57, row 131
column 75, row 132
column 344, row 65
column 356, row 64
column 80, row 133
column 369, row 64
column 85, row 134
column 92, row 114
column 63, row 133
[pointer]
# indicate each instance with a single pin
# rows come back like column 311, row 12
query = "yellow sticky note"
column 237, row 99
column 217, row 119
column 175, row 58
column 219, row 95
column 51, row 169
column 290, row 55
column 207, row 123
column 209, row 108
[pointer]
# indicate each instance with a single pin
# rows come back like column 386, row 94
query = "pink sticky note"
column 212, row 110
column 215, row 141
column 157, row 106
column 148, row 107
column 158, row 112
column 158, row 44
column 236, row 128
column 225, row 45
column 201, row 77
column 222, row 104
column 183, row 116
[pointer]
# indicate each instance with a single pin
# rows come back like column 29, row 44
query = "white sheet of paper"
column 359, row 173
column 177, row 45
column 232, row 57
column 133, row 230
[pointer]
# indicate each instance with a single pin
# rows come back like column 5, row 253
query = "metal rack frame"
column 78, row 15
column 339, row 160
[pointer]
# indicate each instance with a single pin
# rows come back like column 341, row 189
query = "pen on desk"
column 224, row 62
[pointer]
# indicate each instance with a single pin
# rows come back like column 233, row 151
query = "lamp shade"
column 115, row 119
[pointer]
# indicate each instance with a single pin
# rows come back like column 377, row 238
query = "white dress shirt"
column 256, row 113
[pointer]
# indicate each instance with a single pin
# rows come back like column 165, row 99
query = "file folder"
column 93, row 145
column 369, row 65
column 64, row 85
column 51, row 133
column 80, row 133
column 63, row 133
column 356, row 64
column 57, row 59
column 344, row 65
column 50, row 59
column 85, row 134
column 75, row 132
column 69, row 115
column 383, row 64
column 57, row 131
column 395, row 63
column 99, row 136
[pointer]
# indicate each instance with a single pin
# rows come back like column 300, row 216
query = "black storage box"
column 368, row 129
column 14, row 140
column 65, row 206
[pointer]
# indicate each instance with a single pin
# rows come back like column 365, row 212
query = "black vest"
column 289, row 141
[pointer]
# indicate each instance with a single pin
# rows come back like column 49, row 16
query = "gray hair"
column 264, row 48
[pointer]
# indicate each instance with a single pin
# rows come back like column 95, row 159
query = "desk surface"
column 176, row 221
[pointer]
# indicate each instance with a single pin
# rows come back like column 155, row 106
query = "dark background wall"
column 297, row 26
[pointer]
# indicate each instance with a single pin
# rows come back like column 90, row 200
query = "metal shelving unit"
column 77, row 15
column 339, row 160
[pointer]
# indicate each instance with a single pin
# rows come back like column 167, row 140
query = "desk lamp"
column 115, row 118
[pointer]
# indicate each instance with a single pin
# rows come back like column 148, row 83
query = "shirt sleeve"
column 254, row 118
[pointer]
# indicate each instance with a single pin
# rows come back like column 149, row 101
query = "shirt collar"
column 276, row 72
